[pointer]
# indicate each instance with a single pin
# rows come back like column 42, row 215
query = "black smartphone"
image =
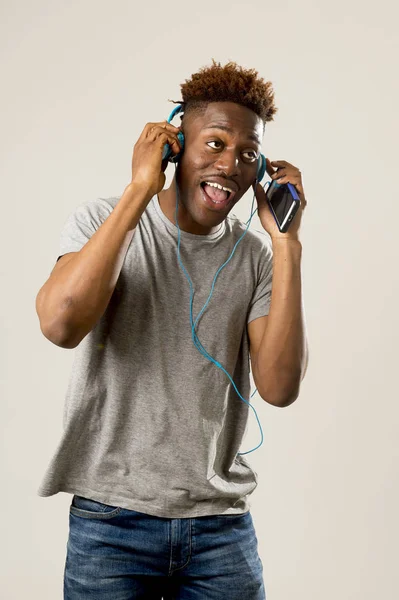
column 283, row 201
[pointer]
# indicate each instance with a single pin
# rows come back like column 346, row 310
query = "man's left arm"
column 278, row 344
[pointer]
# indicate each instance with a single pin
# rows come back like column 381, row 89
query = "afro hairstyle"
column 229, row 83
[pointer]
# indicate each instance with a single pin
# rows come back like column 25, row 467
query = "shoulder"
column 94, row 211
column 100, row 205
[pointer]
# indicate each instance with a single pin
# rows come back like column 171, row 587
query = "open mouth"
column 215, row 196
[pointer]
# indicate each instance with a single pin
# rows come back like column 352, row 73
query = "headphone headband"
column 175, row 111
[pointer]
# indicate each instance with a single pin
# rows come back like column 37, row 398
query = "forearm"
column 76, row 295
column 282, row 356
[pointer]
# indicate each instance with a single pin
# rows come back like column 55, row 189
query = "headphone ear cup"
column 261, row 168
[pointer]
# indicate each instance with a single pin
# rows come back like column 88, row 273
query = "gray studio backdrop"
column 79, row 82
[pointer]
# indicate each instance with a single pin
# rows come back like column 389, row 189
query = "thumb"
column 260, row 194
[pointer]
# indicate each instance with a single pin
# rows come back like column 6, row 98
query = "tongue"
column 215, row 194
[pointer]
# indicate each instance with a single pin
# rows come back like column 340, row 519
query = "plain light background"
column 80, row 80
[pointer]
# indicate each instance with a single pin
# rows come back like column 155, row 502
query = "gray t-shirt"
column 149, row 423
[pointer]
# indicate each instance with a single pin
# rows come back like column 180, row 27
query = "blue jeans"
column 118, row 554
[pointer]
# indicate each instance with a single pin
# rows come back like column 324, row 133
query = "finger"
column 165, row 137
column 281, row 172
column 260, row 193
column 281, row 163
column 146, row 130
column 288, row 179
column 160, row 124
column 164, row 124
column 159, row 131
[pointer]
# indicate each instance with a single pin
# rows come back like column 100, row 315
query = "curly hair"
column 230, row 83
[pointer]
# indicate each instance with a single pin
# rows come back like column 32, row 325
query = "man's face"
column 222, row 145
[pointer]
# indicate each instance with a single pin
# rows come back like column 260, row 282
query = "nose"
column 228, row 162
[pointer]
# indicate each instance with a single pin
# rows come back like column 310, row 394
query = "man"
column 152, row 428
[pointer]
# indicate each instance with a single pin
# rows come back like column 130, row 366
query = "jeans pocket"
column 91, row 509
column 233, row 516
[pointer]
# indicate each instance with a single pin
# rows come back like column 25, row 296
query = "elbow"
column 281, row 396
column 54, row 331
column 280, row 401
column 59, row 337
column 52, row 327
column 283, row 388
column 287, row 400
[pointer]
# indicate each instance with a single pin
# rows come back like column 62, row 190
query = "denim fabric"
column 118, row 554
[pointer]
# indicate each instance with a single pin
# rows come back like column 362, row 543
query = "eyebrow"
column 251, row 136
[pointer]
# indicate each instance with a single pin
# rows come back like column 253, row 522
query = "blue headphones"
column 167, row 152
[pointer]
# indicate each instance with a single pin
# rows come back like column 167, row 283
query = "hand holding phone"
column 284, row 202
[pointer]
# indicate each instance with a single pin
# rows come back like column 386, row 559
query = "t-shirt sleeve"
column 82, row 224
column 261, row 298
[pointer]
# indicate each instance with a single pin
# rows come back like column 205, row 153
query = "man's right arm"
column 79, row 288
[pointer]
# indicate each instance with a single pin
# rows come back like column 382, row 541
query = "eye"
column 214, row 142
column 253, row 155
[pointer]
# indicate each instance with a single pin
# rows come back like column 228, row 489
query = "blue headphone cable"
column 194, row 336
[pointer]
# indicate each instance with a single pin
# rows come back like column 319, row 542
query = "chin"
column 206, row 217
